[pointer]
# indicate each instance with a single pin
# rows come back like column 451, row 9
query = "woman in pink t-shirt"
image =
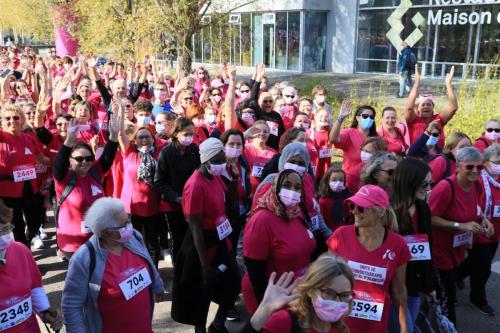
column 350, row 139
column 391, row 133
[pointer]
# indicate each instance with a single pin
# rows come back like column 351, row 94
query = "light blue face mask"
column 366, row 123
column 432, row 141
column 159, row 128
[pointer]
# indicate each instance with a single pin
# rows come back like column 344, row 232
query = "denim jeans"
column 405, row 82
column 411, row 315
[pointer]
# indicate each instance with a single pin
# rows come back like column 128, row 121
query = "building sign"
column 438, row 16
column 268, row 18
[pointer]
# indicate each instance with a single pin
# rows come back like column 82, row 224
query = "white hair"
column 289, row 90
column 102, row 215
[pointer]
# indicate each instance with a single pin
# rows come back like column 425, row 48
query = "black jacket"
column 174, row 169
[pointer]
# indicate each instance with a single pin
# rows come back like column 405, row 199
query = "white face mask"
column 320, row 99
column 216, row 169
column 289, row 100
column 495, row 169
column 143, row 121
column 291, row 166
column 289, row 198
column 210, row 119
column 336, row 186
column 232, row 152
column 186, row 140
column 216, row 98
column 365, row 156
column 6, row 240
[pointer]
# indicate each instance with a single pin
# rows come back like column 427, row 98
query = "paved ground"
column 54, row 272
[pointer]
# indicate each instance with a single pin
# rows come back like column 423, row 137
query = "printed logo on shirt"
column 391, row 255
column 95, row 190
column 27, row 151
column 368, row 273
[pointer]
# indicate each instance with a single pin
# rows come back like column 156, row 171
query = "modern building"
column 355, row 36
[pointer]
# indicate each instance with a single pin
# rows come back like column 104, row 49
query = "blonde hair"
column 453, row 140
column 319, row 274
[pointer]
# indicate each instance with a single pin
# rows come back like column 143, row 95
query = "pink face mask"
column 289, row 198
column 6, row 240
column 125, row 233
column 330, row 311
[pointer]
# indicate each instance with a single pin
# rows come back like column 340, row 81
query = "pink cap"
column 369, row 196
column 425, row 97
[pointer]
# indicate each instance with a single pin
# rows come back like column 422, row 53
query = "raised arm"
column 452, row 107
column 345, row 111
column 231, row 117
column 410, row 103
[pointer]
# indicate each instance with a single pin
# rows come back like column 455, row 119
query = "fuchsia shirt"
column 324, row 150
column 418, row 126
column 493, row 214
column 350, row 142
column 256, row 159
column 373, row 273
column 138, row 197
column 71, row 233
column 17, row 278
column 118, row 314
column 284, row 245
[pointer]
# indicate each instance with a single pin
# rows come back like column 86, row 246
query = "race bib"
column 325, row 152
column 315, row 223
column 103, row 125
column 84, row 229
column 461, row 239
column 368, row 273
column 16, row 314
column 367, row 306
column 135, row 283
column 24, row 172
column 95, row 190
column 314, row 169
column 273, row 128
column 224, row 228
column 257, row 171
column 496, row 211
column 419, row 246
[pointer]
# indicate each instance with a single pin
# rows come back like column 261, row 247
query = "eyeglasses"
column 117, row 228
column 267, row 101
column 365, row 115
column 489, row 130
column 388, row 171
column 344, row 296
column 188, row 98
column 80, row 159
column 435, row 134
column 471, row 167
column 353, row 206
column 143, row 137
column 8, row 118
column 427, row 184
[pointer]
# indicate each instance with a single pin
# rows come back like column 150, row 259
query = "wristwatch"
column 456, row 225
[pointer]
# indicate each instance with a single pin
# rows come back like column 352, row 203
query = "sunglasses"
column 8, row 118
column 215, row 94
column 267, row 101
column 143, row 137
column 353, row 206
column 471, row 167
column 364, row 116
column 291, row 96
column 435, row 135
column 427, row 184
column 188, row 98
column 244, row 91
column 388, row 171
column 80, row 159
column 489, row 130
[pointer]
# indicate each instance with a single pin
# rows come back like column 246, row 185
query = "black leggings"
column 163, row 230
column 477, row 266
column 446, row 293
column 149, row 227
column 177, row 226
column 29, row 207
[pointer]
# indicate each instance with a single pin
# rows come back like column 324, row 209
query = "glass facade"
column 248, row 39
column 452, row 35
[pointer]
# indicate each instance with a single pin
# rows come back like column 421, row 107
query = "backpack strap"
column 91, row 250
column 295, row 322
column 447, row 172
column 67, row 190
column 452, row 188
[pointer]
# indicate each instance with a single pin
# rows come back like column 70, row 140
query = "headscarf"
column 271, row 202
column 209, row 148
column 146, row 170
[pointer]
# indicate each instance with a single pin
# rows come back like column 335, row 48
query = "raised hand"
column 449, row 76
column 345, row 108
column 72, row 131
column 232, row 73
column 43, row 104
column 277, row 294
column 417, row 73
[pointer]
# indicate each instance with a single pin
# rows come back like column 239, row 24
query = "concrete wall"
column 342, row 31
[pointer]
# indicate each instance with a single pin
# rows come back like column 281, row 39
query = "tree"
column 123, row 29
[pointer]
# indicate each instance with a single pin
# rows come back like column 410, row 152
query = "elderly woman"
column 378, row 257
column 21, row 291
column 275, row 238
column 19, row 153
column 378, row 170
column 491, row 135
column 456, row 217
column 112, row 282
column 206, row 267
column 477, row 265
column 349, row 140
column 78, row 183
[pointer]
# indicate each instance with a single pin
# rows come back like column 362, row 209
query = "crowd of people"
column 140, row 165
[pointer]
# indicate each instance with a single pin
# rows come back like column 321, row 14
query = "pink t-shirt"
column 350, row 142
column 18, row 277
column 418, row 126
column 281, row 322
column 118, row 314
column 138, row 197
column 71, row 232
column 256, row 159
column 493, row 213
column 324, row 149
column 394, row 144
column 373, row 273
column 284, row 245
column 438, row 168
